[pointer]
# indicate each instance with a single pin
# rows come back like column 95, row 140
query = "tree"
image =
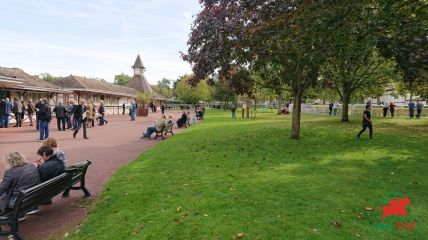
column 202, row 91
column 403, row 35
column 48, row 77
column 287, row 34
column 122, row 79
column 183, row 90
column 164, row 87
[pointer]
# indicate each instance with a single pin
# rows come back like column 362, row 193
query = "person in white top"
column 385, row 108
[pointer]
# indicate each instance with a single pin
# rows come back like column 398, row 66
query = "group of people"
column 73, row 115
column 21, row 174
column 419, row 106
column 158, row 126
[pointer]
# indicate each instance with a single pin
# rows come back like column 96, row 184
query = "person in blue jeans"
column 411, row 109
column 159, row 125
column 44, row 118
column 233, row 109
column 5, row 112
column 132, row 110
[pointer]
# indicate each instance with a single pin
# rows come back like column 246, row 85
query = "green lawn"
column 223, row 178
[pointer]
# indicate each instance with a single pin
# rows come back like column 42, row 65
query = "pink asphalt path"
column 108, row 148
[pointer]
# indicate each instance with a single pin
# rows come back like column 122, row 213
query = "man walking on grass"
column 367, row 123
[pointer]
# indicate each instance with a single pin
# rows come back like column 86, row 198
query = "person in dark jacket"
column 48, row 164
column 19, row 176
column 44, row 115
column 37, row 107
column 2, row 112
column 102, row 112
column 80, row 114
column 60, row 113
column 73, row 110
column 182, row 121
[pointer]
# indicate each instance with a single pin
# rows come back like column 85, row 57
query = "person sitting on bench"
column 182, row 121
column 19, row 176
column 159, row 125
column 49, row 165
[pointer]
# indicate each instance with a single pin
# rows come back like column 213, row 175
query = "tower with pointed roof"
column 139, row 81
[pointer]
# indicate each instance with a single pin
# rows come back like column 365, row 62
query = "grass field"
column 246, row 179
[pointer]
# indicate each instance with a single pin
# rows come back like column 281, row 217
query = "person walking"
column 330, row 108
column 411, row 109
column 233, row 109
column 44, row 116
column 37, row 107
column 367, row 123
column 68, row 109
column 2, row 113
column 23, row 111
column 73, row 111
column 101, row 112
column 385, row 108
column 60, row 113
column 123, row 108
column 163, row 108
column 30, row 111
column 392, row 108
column 335, row 107
column 80, row 115
column 90, row 115
column 419, row 107
column 17, row 110
column 132, row 110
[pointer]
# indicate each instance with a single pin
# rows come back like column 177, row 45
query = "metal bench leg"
column 66, row 193
column 83, row 187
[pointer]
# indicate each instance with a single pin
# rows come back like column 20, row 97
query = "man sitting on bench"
column 49, row 165
column 20, row 175
column 159, row 125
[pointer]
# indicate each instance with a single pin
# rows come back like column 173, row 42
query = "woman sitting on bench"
column 159, row 125
column 182, row 121
column 20, row 175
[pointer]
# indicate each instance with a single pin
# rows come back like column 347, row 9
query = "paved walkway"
column 109, row 147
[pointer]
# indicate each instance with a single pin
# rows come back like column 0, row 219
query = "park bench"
column 29, row 198
column 187, row 122
column 168, row 128
column 160, row 133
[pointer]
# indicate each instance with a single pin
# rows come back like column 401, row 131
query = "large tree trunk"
column 297, row 109
column 346, row 99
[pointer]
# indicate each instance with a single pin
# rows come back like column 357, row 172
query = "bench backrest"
column 42, row 192
column 78, row 170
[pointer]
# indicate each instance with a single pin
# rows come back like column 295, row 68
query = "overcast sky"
column 96, row 38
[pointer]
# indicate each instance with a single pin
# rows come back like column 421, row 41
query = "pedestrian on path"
column 30, row 111
column 233, row 109
column 419, row 107
column 392, row 109
column 44, row 115
column 385, row 108
column 80, row 115
column 123, row 108
column 17, row 110
column 132, row 110
column 60, row 113
column 367, row 123
column 37, row 107
column 335, row 107
column 91, row 114
column 411, row 109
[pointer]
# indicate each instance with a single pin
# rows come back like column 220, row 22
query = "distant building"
column 140, row 83
column 87, row 88
column 15, row 83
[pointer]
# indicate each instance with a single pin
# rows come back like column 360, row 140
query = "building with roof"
column 87, row 88
column 14, row 82
column 140, row 83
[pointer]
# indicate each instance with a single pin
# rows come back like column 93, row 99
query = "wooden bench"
column 168, row 128
column 160, row 133
column 30, row 198
column 187, row 122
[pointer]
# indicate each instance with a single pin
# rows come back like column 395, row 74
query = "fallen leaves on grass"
column 179, row 209
column 336, row 223
column 368, row 209
column 239, row 236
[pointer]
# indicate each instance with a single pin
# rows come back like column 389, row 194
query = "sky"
column 96, row 38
